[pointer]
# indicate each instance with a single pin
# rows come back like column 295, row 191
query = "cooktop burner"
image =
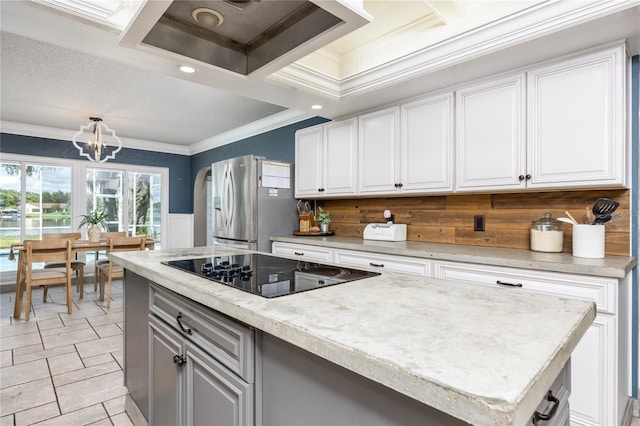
column 268, row 276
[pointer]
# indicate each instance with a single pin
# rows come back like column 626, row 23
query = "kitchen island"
column 480, row 355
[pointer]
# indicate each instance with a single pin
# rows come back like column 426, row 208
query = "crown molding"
column 538, row 21
column 272, row 122
column 66, row 135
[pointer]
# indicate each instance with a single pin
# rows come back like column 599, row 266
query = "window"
column 105, row 193
column 49, row 195
column 145, row 204
column 34, row 198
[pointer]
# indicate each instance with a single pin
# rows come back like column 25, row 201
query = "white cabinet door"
column 490, row 135
column 426, row 145
column 340, row 158
column 590, row 402
column 378, row 136
column 575, row 118
column 308, row 167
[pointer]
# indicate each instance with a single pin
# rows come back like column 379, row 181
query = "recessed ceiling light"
column 316, row 106
column 187, row 69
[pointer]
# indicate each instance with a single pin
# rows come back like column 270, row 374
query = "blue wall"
column 180, row 197
column 278, row 144
column 635, row 200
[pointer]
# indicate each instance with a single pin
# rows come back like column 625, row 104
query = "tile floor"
column 61, row 369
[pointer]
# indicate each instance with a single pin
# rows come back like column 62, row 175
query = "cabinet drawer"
column 230, row 342
column 602, row 291
column 378, row 262
column 303, row 251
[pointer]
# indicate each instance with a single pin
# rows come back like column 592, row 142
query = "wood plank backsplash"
column 449, row 218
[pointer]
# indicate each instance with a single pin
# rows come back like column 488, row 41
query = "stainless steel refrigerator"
column 252, row 200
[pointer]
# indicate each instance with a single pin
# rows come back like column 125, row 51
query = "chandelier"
column 101, row 145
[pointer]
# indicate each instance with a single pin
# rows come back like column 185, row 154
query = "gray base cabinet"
column 192, row 389
column 200, row 364
column 165, row 377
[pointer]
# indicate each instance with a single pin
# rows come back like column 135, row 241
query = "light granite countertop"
column 484, row 355
column 610, row 266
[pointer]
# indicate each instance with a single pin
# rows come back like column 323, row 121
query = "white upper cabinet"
column 309, row 161
column 378, row 137
column 490, row 135
column 576, row 121
column 570, row 135
column 559, row 125
column 407, row 149
column 426, row 145
column 326, row 160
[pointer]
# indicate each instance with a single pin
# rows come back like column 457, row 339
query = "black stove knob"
column 206, row 268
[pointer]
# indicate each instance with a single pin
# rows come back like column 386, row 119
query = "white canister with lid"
column 547, row 234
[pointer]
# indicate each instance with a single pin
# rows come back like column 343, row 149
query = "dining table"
column 79, row 246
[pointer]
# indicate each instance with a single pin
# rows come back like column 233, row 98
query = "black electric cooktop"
column 268, row 276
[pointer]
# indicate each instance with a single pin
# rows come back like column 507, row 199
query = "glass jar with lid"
column 547, row 234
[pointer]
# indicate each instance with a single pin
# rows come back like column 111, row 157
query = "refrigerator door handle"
column 231, row 200
column 223, row 205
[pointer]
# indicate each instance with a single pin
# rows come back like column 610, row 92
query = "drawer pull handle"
column 180, row 360
column 298, row 253
column 508, row 284
column 539, row 416
column 184, row 330
column 377, row 265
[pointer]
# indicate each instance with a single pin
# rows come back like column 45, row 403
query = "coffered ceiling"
column 65, row 60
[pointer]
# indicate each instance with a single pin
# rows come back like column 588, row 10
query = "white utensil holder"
column 588, row 241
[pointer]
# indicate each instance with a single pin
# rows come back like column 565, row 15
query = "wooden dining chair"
column 38, row 251
column 108, row 271
column 76, row 265
column 96, row 265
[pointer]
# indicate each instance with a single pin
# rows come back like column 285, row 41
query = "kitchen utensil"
column 602, row 207
column 566, row 220
column 606, row 218
column 589, row 215
column 571, row 217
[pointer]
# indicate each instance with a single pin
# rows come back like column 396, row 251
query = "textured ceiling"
column 51, row 86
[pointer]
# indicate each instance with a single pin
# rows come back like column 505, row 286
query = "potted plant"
column 94, row 220
column 324, row 218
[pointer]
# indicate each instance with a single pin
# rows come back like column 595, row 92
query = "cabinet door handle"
column 297, row 253
column 508, row 284
column 521, row 178
column 528, row 177
column 180, row 360
column 377, row 265
column 184, row 330
column 539, row 416
column 400, row 185
column 320, row 189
